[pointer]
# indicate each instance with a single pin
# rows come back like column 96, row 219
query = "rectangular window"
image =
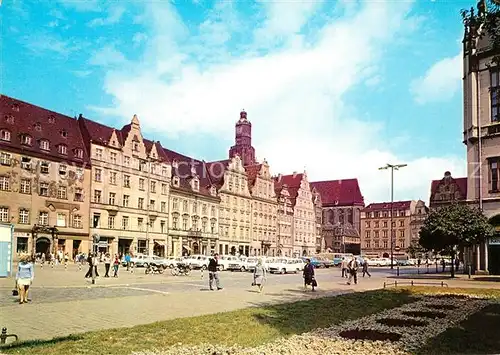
column 24, row 216
column 61, row 220
column 401, row 223
column 62, row 192
column 140, row 224
column 494, row 174
column 141, row 184
column 126, row 161
column 78, row 194
column 44, row 189
column 98, row 175
column 4, row 214
column 43, row 218
column 164, row 189
column 96, row 220
column 112, row 178
column 163, row 207
column 111, row 222
column 25, row 186
column 112, row 157
column 77, row 221
column 162, row 227
column 175, row 204
column 126, row 180
column 22, row 245
column 125, row 222
column 152, row 205
column 140, row 203
column 44, row 167
column 98, row 153
column 97, row 196
column 5, row 159
column 174, row 222
column 494, row 95
column 126, row 199
column 4, row 183
column 153, row 187
column 184, row 223
column 26, row 163
column 62, row 170
column 112, row 198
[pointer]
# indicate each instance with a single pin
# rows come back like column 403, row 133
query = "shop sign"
column 494, row 241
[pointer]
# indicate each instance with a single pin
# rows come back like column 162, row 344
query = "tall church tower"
column 243, row 142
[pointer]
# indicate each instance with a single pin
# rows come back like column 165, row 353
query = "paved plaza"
column 64, row 303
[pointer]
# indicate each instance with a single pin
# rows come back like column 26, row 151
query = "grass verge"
column 247, row 327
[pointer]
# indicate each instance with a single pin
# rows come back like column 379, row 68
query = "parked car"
column 314, row 261
column 379, row 262
column 225, row 260
column 238, row 264
column 201, row 262
column 251, row 263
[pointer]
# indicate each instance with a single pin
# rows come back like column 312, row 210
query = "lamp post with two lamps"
column 392, row 167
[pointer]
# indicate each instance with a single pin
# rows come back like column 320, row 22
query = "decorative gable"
column 133, row 140
column 114, row 141
column 153, row 153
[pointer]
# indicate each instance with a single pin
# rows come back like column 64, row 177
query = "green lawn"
column 255, row 326
column 247, row 327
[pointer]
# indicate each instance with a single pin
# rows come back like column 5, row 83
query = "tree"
column 452, row 226
column 415, row 250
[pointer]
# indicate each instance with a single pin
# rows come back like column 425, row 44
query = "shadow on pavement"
column 36, row 343
column 487, row 278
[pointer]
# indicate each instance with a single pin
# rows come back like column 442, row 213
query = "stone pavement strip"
column 48, row 320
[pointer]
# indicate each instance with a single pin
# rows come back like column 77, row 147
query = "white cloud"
column 441, row 81
column 293, row 93
column 115, row 14
column 107, row 56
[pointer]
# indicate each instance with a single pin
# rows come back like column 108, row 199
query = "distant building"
column 447, row 190
column 407, row 218
column 341, row 204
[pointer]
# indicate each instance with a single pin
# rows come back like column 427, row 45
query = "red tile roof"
column 216, row 170
column 252, row 173
column 292, row 182
column 20, row 118
column 386, row 206
column 344, row 192
column 461, row 183
column 187, row 168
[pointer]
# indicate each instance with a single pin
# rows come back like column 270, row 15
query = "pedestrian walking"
column 90, row 261
column 116, row 265
column 213, row 272
column 107, row 264
column 365, row 269
column 259, row 275
column 352, row 267
column 24, row 277
column 127, row 261
column 308, row 275
column 343, row 266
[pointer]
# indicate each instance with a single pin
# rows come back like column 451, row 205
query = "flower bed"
column 396, row 331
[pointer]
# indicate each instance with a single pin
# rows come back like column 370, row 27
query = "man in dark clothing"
column 213, row 272
column 91, row 265
column 308, row 274
column 365, row 269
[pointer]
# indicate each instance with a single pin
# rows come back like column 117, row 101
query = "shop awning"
column 160, row 242
column 186, row 247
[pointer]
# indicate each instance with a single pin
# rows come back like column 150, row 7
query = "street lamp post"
column 392, row 167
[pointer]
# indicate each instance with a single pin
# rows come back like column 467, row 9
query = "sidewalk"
column 69, row 317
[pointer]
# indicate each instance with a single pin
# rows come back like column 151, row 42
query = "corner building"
column 44, row 180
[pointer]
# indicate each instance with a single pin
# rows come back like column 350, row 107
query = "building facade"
column 44, row 180
column 194, row 207
column 481, row 128
column 304, row 213
column 447, row 190
column 284, row 238
column 342, row 203
column 376, row 227
column 318, row 215
column 130, row 184
column 264, row 210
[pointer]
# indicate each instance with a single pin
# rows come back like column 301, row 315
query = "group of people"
column 93, row 262
column 350, row 269
column 259, row 275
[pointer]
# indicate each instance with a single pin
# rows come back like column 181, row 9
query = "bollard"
column 384, row 284
column 395, row 284
column 469, row 270
column 418, row 270
column 442, row 284
column 437, row 270
column 4, row 336
column 412, row 283
column 397, row 270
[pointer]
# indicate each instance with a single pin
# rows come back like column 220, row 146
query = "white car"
column 197, row 261
column 378, row 262
column 285, row 266
column 238, row 264
column 251, row 263
column 225, row 260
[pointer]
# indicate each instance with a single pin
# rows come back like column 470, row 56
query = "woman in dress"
column 259, row 275
column 24, row 277
column 309, row 275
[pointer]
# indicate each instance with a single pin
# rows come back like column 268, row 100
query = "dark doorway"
column 43, row 245
column 196, row 248
column 386, row 255
column 124, row 246
column 233, row 250
column 304, row 253
column 494, row 259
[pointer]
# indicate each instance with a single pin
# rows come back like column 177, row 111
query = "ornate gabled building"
column 342, row 203
column 447, row 190
column 130, row 189
column 44, row 179
column 304, row 213
column 194, row 207
column 284, row 237
column 264, row 209
column 235, row 211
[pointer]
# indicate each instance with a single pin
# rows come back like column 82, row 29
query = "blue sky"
column 336, row 88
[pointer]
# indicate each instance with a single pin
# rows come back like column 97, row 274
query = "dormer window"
column 195, row 184
column 213, row 191
column 26, row 139
column 52, row 119
column 5, row 135
column 175, row 163
column 79, row 153
column 135, row 146
column 176, row 181
column 64, row 134
column 37, row 126
column 62, row 170
column 9, row 119
column 62, row 149
column 15, row 107
column 44, row 144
